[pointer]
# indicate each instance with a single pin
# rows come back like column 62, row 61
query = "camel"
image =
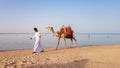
column 62, row 35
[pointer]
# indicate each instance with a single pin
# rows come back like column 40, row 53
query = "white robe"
column 37, row 45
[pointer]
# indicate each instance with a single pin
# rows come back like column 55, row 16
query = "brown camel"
column 61, row 34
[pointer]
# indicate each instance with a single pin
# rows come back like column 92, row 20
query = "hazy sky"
column 83, row 15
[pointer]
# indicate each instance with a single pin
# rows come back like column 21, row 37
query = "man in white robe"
column 37, row 45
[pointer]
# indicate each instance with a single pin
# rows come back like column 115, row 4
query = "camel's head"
column 49, row 28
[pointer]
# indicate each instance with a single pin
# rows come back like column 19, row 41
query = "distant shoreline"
column 75, row 33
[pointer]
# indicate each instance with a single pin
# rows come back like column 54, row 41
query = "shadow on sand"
column 74, row 64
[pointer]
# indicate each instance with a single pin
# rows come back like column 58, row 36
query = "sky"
column 84, row 16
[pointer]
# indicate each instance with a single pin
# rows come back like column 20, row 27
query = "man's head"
column 35, row 29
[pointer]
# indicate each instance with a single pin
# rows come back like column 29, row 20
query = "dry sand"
column 105, row 56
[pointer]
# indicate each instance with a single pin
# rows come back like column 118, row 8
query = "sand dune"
column 105, row 56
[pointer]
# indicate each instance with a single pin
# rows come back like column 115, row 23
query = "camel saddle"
column 67, row 30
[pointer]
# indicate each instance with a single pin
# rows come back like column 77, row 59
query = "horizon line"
column 76, row 33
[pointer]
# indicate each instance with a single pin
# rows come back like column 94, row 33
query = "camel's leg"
column 75, row 41
column 73, row 37
column 65, row 42
column 58, row 43
column 71, row 42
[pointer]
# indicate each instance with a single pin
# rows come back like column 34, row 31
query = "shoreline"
column 99, row 56
column 59, row 47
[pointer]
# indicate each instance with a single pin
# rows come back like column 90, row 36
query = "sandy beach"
column 104, row 56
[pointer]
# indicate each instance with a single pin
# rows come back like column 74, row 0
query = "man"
column 37, row 45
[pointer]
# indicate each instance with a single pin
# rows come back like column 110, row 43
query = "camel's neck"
column 53, row 32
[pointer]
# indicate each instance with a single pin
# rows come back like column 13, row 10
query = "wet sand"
column 104, row 56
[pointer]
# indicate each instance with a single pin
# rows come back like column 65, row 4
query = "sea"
column 13, row 41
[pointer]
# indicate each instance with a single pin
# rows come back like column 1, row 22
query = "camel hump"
column 61, row 31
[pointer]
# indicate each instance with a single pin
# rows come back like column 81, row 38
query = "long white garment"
column 37, row 45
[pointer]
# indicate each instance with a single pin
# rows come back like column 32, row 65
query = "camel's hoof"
column 69, row 47
column 66, row 47
column 56, row 49
column 77, row 46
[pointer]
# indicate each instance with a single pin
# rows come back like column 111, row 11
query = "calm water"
column 22, row 41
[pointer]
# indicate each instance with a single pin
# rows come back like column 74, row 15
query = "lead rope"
column 45, row 34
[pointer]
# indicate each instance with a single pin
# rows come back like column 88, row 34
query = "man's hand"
column 31, row 38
